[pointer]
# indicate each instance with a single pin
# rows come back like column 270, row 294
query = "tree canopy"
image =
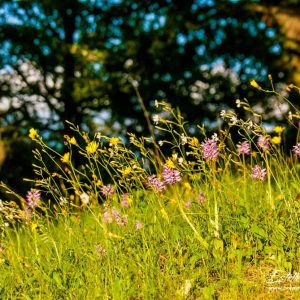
column 75, row 60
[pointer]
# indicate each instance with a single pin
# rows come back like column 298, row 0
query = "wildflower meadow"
column 191, row 216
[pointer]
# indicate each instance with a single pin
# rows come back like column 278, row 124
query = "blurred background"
column 75, row 60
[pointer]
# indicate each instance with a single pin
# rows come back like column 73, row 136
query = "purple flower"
column 33, row 198
column 155, row 183
column 243, row 148
column 100, row 250
column 107, row 190
column 210, row 149
column 107, row 217
column 188, row 204
column 116, row 214
column 123, row 220
column 263, row 143
column 296, row 149
column 124, row 201
column 171, row 175
column 138, row 225
column 259, row 173
column 201, row 198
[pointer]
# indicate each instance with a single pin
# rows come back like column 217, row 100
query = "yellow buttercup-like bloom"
column 73, row 141
column 164, row 214
column 127, row 171
column 276, row 140
column 278, row 129
column 194, row 142
column 170, row 164
column 66, row 158
column 92, row 147
column 255, row 84
column 33, row 134
column 114, row 141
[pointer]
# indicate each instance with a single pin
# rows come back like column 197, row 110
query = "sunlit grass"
column 206, row 218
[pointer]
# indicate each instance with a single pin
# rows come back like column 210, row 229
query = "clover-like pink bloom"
column 263, row 143
column 171, row 175
column 210, row 149
column 259, row 173
column 296, row 150
column 243, row 148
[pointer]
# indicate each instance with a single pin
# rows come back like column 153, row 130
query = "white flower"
column 250, row 125
column 233, row 120
column 223, row 113
column 128, row 63
column 155, row 119
column 156, row 104
column 175, row 156
column 180, row 160
column 215, row 137
column 84, row 197
column 62, row 201
column 135, row 83
column 290, row 116
column 98, row 135
column 183, row 139
column 6, row 224
column 238, row 103
column 160, row 143
column 187, row 287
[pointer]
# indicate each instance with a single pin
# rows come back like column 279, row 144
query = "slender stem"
column 146, row 115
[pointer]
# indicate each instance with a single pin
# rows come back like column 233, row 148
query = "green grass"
column 78, row 256
column 223, row 247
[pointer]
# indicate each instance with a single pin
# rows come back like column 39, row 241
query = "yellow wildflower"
column 129, row 200
column 173, row 201
column 187, row 186
column 174, row 156
column 164, row 214
column 194, row 142
column 126, row 171
column 279, row 197
column 33, row 134
column 170, row 164
column 66, row 158
column 289, row 87
column 73, row 141
column 255, row 84
column 99, row 182
column 34, row 226
column 276, row 140
column 55, row 175
column 278, row 129
column 114, row 141
column 92, row 147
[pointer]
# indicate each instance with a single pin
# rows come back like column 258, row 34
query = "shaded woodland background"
column 76, row 60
